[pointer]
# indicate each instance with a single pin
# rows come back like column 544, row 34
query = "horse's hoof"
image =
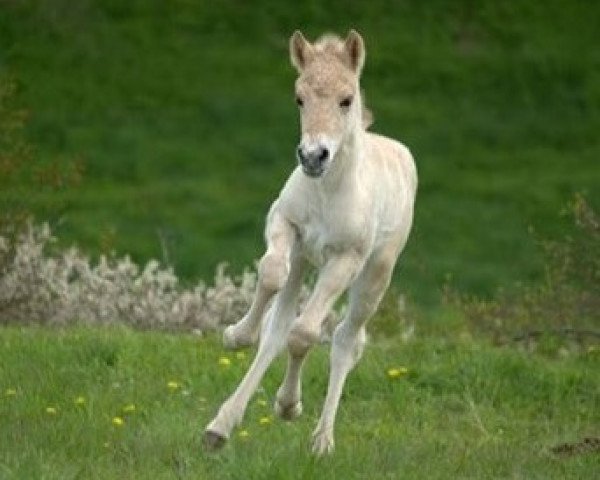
column 288, row 412
column 213, row 441
column 323, row 443
column 233, row 341
column 229, row 340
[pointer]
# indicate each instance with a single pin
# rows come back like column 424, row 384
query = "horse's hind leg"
column 288, row 402
column 306, row 330
column 273, row 271
column 349, row 339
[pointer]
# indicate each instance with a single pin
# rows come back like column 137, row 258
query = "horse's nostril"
column 313, row 158
column 323, row 155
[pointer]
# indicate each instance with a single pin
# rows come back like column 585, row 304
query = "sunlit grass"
column 425, row 408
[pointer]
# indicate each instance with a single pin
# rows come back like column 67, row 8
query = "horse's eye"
column 299, row 102
column 346, row 102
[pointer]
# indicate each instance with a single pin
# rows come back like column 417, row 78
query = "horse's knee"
column 380, row 272
column 302, row 336
column 273, row 271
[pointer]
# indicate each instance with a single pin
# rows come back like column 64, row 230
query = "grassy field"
column 182, row 113
column 464, row 410
column 183, row 118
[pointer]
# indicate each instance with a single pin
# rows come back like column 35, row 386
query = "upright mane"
column 331, row 44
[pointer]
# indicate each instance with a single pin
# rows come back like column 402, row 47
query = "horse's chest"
column 314, row 240
column 323, row 235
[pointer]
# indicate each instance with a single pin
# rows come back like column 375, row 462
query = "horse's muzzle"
column 313, row 160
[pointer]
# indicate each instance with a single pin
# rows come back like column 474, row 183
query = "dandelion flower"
column 265, row 420
column 173, row 385
column 11, row 392
column 79, row 401
column 397, row 372
column 129, row 408
column 244, row 434
column 51, row 410
column 117, row 421
column 240, row 356
column 224, row 362
column 262, row 402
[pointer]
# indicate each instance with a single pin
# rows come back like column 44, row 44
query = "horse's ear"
column 355, row 48
column 300, row 50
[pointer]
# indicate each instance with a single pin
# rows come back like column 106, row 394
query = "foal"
column 346, row 209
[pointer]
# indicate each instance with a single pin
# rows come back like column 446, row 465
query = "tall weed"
column 566, row 303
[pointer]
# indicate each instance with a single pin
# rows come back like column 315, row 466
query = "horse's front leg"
column 272, row 340
column 333, row 280
column 273, row 270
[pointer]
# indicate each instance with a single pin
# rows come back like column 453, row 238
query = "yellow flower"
column 265, row 420
column 173, row 385
column 262, row 402
column 11, row 392
column 240, row 356
column 397, row 372
column 130, row 408
column 117, row 421
column 224, row 362
column 51, row 410
column 79, row 401
column 244, row 434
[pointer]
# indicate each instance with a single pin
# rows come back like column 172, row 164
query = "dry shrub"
column 565, row 304
column 23, row 173
column 36, row 287
column 59, row 289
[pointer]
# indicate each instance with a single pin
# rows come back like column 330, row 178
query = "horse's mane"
column 330, row 43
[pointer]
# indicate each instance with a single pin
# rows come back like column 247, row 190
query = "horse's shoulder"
column 387, row 149
column 291, row 202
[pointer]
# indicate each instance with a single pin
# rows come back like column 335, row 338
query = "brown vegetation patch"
column 587, row 445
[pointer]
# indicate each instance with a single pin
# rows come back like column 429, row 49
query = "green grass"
column 465, row 410
column 184, row 117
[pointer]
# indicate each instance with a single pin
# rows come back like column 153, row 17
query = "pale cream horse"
column 346, row 209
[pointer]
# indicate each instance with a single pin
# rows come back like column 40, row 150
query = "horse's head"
column 328, row 96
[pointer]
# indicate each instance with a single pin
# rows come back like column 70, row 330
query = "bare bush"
column 565, row 303
column 37, row 287
column 23, row 172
